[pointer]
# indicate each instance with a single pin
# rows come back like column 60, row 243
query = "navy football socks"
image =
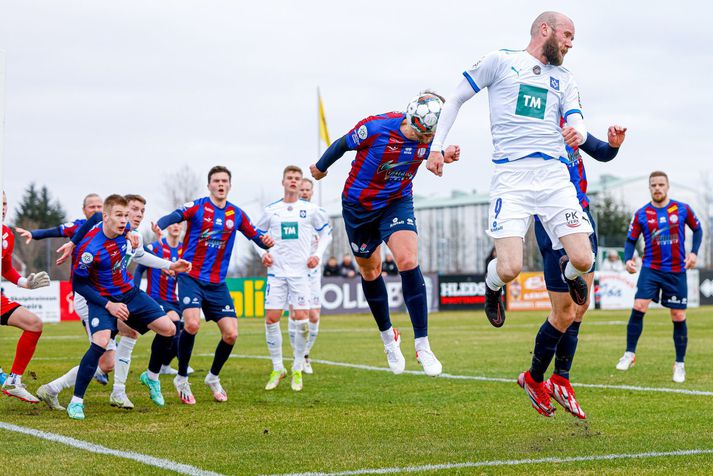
column 680, row 339
column 222, row 354
column 87, row 369
column 185, row 349
column 416, row 299
column 160, row 347
column 378, row 299
column 567, row 346
column 545, row 344
column 634, row 329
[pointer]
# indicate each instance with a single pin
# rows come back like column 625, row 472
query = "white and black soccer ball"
column 423, row 111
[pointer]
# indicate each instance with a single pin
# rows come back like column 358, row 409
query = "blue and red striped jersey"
column 577, row 174
column 385, row 164
column 210, row 234
column 159, row 284
column 664, row 232
column 69, row 229
column 103, row 261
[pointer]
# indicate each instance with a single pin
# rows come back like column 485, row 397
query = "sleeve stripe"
column 472, row 83
column 322, row 227
column 572, row 111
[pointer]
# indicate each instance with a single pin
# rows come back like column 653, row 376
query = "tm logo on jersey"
column 290, row 230
column 531, row 101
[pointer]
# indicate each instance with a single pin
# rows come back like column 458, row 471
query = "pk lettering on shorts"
column 572, row 218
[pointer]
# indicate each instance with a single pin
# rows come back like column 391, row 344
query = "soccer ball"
column 423, row 111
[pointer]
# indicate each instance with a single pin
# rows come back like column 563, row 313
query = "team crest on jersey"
column 303, row 213
column 421, row 152
column 362, row 132
column 554, row 83
column 87, row 257
column 188, row 205
column 536, row 69
column 673, row 219
column 5, row 244
column 229, row 224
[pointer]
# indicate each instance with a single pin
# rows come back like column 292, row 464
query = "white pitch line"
column 511, row 462
column 633, row 388
column 98, row 449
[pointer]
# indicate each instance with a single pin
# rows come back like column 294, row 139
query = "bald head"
column 551, row 19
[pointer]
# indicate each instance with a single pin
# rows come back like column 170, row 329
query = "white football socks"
column 300, row 344
column 570, row 272
column 313, row 328
column 123, row 361
column 492, row 278
column 387, row 336
column 273, row 336
column 291, row 332
column 422, row 343
column 65, row 381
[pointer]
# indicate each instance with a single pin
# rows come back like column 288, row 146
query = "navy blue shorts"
column 168, row 306
column 367, row 229
column 551, row 258
column 670, row 289
column 213, row 298
column 142, row 311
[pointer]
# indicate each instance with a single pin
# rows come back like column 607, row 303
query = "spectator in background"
column 332, row 267
column 613, row 262
column 347, row 268
column 388, row 267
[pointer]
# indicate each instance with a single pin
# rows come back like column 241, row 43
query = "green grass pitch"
column 353, row 419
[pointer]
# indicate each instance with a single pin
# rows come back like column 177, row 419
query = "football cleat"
column 297, row 380
column 396, row 360
column 75, row 411
column 578, row 288
column 307, row 367
column 560, row 389
column 121, row 400
column 679, row 372
column 219, row 394
column 275, row 377
column 184, row 391
column 168, row 370
column 101, row 377
column 431, row 366
column 627, row 361
column 19, row 391
column 154, row 389
column 494, row 307
column 45, row 395
column 537, row 393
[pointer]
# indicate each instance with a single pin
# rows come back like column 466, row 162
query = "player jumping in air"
column 529, row 93
column 377, row 206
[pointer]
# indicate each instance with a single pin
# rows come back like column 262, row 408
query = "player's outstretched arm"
column 29, row 235
column 164, row 222
column 333, row 153
column 604, row 151
column 84, row 229
column 464, row 91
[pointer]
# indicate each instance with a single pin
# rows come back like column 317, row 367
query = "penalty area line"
column 99, row 449
column 511, row 462
column 633, row 388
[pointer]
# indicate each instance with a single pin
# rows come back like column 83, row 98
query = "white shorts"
column 528, row 187
column 283, row 292
column 315, row 290
column 82, row 309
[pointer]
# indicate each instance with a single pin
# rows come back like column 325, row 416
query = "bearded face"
column 551, row 50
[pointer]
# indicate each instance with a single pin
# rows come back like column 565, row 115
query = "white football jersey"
column 527, row 99
column 293, row 226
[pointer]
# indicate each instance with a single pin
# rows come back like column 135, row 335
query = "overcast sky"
column 110, row 96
